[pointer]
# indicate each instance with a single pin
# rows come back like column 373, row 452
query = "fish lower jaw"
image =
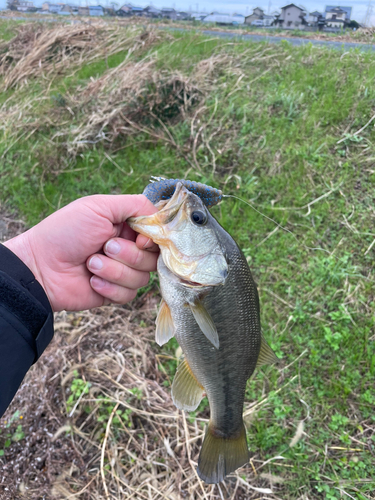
column 191, row 284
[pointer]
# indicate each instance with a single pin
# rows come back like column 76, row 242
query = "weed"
column 12, row 432
column 78, row 388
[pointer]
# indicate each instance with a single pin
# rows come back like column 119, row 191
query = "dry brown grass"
column 77, row 450
column 131, row 98
column 47, row 52
column 150, row 452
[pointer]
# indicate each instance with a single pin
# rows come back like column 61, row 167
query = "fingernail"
column 97, row 282
column 112, row 247
column 147, row 244
column 95, row 263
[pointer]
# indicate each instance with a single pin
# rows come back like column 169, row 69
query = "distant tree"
column 12, row 4
column 353, row 24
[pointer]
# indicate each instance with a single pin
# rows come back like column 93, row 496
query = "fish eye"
column 199, row 218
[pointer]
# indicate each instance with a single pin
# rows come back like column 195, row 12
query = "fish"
column 210, row 304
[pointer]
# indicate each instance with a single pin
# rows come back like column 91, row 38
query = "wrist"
column 20, row 246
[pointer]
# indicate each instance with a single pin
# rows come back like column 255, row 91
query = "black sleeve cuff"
column 23, row 299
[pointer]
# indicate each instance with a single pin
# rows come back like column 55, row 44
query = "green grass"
column 272, row 117
column 7, row 29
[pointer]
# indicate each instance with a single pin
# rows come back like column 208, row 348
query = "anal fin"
column 187, row 392
column 266, row 354
column 205, row 323
column 164, row 325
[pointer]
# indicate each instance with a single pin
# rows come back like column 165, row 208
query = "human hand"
column 65, row 252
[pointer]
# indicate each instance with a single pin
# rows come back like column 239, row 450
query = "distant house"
column 52, row 7
column 125, row 10
column 151, row 11
column 313, row 17
column 225, row 19
column 68, row 9
column 336, row 17
column 24, row 6
column 83, row 11
column 257, row 14
column 268, row 20
column 292, row 17
column 169, row 13
column 331, row 10
column 96, row 10
column 336, row 13
column 136, row 11
column 198, row 16
column 183, row 16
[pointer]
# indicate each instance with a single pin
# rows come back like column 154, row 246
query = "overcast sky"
column 240, row 6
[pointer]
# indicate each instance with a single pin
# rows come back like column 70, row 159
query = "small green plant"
column 11, row 432
column 78, row 387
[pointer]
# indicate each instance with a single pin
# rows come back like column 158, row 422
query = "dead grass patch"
column 123, row 438
column 39, row 49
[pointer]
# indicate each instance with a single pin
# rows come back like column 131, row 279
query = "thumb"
column 118, row 208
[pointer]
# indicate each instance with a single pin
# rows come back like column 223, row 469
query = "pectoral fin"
column 266, row 354
column 164, row 324
column 186, row 390
column 205, row 323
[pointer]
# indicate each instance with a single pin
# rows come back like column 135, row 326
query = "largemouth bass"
column 210, row 304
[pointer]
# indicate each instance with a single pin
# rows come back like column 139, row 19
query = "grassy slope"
column 273, row 119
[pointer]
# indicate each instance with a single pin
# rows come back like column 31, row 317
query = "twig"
column 369, row 248
column 103, row 449
column 358, row 131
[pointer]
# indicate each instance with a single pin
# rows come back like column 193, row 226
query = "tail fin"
column 221, row 455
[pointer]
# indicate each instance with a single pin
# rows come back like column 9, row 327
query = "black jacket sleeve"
column 26, row 323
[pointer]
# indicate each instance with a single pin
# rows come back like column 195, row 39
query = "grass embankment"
column 284, row 128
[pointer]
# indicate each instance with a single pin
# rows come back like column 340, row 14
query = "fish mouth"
column 191, row 284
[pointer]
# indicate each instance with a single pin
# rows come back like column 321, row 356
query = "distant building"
column 68, row 10
column 183, row 16
column 151, row 11
column 125, row 10
column 293, row 17
column 257, row 14
column 24, row 6
column 136, row 11
column 313, row 17
column 169, row 13
column 83, row 11
column 54, row 8
column 331, row 10
column 225, row 19
column 336, row 17
column 96, row 10
column 198, row 16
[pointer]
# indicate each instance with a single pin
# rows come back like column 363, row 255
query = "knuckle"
column 145, row 279
column 120, row 273
column 136, row 258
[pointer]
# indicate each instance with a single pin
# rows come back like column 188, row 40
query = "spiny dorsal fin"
column 164, row 324
column 205, row 323
column 266, row 354
column 187, row 392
